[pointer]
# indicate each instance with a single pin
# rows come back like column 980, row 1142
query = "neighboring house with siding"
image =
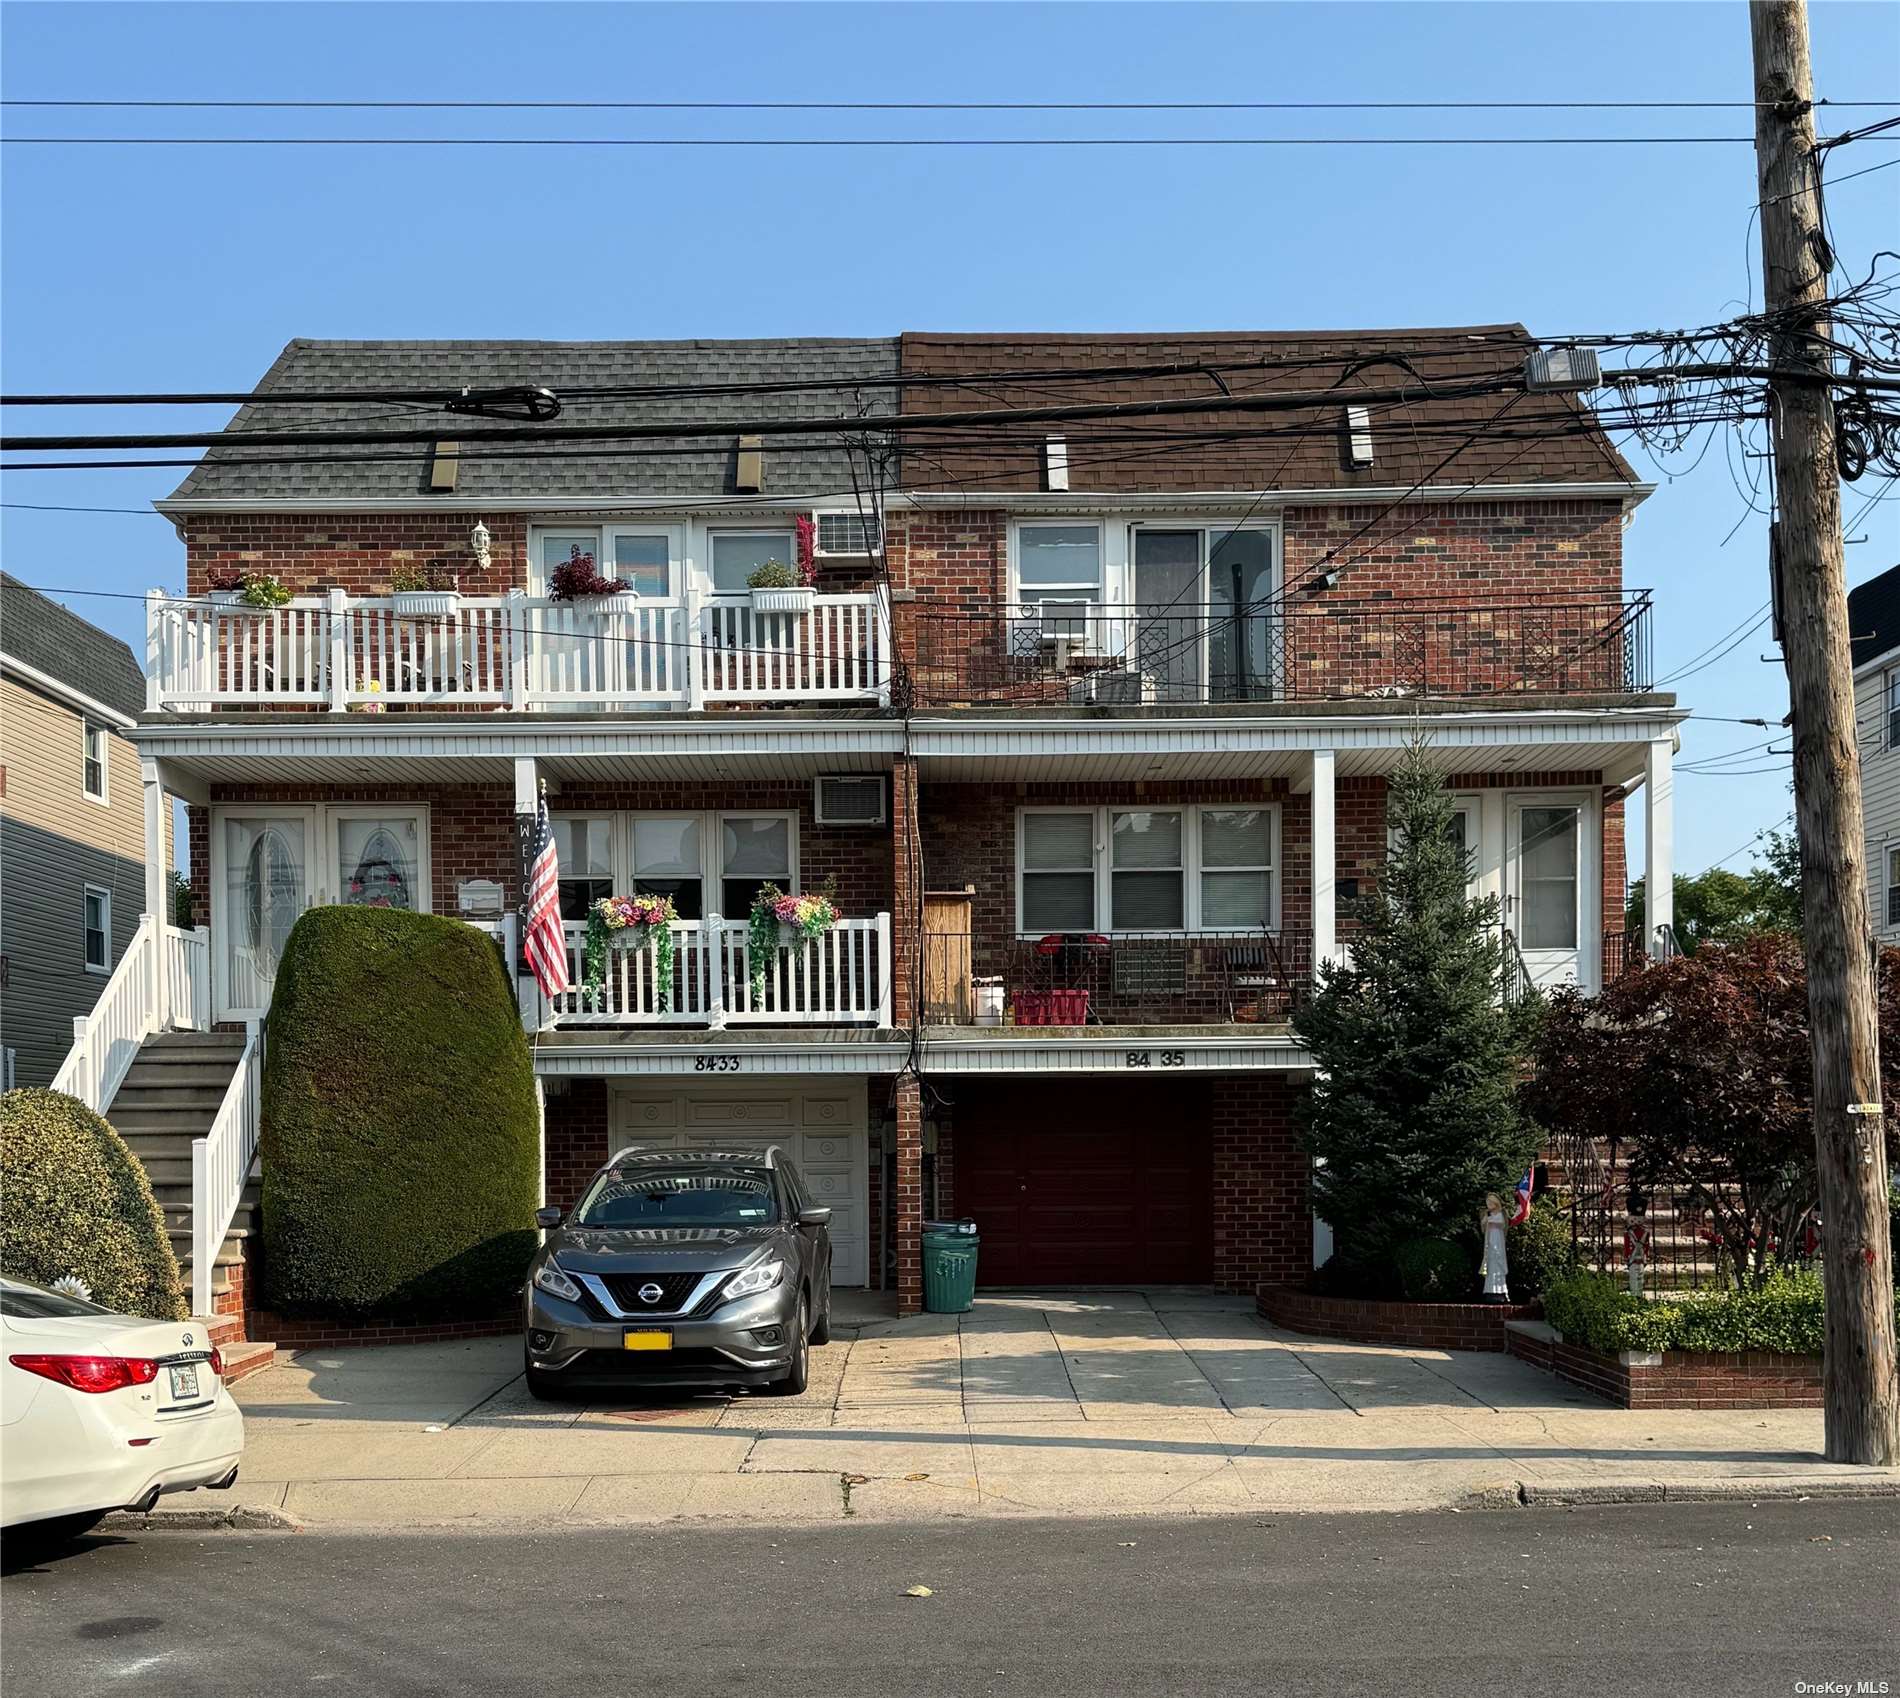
column 72, row 833
column 1873, row 622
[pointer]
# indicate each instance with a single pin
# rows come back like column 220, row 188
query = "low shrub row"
column 1784, row 1314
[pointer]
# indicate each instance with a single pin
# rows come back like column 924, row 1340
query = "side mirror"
column 814, row 1217
column 549, row 1218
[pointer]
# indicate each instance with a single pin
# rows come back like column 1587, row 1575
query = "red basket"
column 1052, row 1008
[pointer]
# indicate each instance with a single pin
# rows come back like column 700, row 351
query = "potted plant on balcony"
column 253, row 592
column 625, row 923
column 778, row 588
column 417, row 591
column 578, row 579
column 780, row 921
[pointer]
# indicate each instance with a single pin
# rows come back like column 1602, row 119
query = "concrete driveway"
column 1164, row 1401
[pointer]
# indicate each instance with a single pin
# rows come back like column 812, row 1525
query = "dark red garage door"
column 1086, row 1183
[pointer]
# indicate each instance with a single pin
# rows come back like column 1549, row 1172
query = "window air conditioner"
column 849, row 799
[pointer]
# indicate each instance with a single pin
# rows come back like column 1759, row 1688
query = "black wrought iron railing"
column 1325, row 649
column 1089, row 979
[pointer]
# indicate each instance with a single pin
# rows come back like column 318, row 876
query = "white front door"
column 261, row 878
column 1550, row 905
column 821, row 1126
column 379, row 858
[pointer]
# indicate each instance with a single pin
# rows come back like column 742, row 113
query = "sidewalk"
column 1166, row 1402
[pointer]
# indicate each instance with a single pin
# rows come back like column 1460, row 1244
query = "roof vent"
column 748, row 477
column 1055, row 464
column 1358, row 437
column 444, row 467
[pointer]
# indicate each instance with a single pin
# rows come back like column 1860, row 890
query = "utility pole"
column 1861, row 1393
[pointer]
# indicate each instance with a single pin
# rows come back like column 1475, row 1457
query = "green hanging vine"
column 650, row 919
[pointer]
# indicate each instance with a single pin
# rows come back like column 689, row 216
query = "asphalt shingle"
column 55, row 640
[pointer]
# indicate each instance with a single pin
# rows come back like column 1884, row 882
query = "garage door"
column 822, row 1126
column 1086, row 1184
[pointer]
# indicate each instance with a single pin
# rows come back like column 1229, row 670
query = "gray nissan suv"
column 681, row 1268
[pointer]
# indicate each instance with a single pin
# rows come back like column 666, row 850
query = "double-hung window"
column 1181, row 869
column 1893, row 886
column 584, row 844
column 736, row 555
column 96, row 924
column 1058, row 564
column 93, row 759
column 1893, row 708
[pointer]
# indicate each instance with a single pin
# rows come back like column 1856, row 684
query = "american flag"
column 545, row 940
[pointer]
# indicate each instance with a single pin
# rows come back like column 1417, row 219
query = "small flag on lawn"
column 545, row 941
column 1521, row 1210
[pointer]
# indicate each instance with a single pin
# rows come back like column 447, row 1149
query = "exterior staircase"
column 167, row 1098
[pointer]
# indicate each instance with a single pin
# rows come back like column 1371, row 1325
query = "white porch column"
column 1325, row 859
column 1659, row 821
column 157, row 892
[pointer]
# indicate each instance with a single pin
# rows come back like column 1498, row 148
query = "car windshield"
column 679, row 1196
column 36, row 1303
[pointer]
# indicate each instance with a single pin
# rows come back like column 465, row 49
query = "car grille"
column 675, row 1288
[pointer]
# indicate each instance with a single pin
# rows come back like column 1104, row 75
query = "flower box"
column 799, row 600
column 1052, row 1008
column 232, row 601
column 417, row 604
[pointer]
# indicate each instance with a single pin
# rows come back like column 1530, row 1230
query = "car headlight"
column 549, row 1278
column 761, row 1276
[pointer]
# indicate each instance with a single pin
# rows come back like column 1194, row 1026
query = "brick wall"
column 1678, row 1379
column 354, row 552
column 577, row 1135
column 1418, row 1326
column 1262, row 1219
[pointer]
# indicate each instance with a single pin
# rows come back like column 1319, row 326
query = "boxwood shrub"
column 400, row 1139
column 1785, row 1313
column 76, row 1202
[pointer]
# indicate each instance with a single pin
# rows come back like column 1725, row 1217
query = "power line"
column 847, row 142
column 55, row 507
column 929, row 105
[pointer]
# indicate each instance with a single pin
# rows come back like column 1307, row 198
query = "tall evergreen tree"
column 1413, row 1115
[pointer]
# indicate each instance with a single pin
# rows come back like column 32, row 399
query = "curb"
column 244, row 1518
column 1736, row 1491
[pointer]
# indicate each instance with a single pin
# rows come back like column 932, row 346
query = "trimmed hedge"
column 401, row 1145
column 76, row 1201
column 1785, row 1313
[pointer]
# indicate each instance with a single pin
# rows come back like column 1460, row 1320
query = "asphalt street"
column 1677, row 1598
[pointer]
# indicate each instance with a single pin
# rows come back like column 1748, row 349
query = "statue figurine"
column 1636, row 1247
column 1496, row 1268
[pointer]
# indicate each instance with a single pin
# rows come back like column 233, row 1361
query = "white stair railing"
column 188, row 971
column 221, row 1165
column 126, row 1014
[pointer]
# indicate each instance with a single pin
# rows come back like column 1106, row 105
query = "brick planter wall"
column 298, row 1334
column 1676, row 1379
column 1422, row 1326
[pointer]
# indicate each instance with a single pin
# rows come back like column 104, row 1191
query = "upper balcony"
column 1085, row 652
column 520, row 653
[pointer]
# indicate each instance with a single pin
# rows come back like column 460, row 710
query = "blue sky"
column 175, row 268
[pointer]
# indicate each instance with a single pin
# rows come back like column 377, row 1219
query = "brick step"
column 221, row 1329
column 243, row 1360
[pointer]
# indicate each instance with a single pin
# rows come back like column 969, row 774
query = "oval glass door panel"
column 267, row 864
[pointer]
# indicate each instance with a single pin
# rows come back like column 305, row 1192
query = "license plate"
column 184, row 1382
column 652, row 1338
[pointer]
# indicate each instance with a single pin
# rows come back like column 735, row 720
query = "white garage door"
column 821, row 1125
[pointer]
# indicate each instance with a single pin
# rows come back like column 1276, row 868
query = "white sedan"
column 101, row 1411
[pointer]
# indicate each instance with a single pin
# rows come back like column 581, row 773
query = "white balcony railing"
column 842, row 978
column 341, row 652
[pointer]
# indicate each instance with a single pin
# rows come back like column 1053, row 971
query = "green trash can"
column 950, row 1249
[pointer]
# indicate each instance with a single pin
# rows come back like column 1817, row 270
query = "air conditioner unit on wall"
column 849, row 799
column 845, row 533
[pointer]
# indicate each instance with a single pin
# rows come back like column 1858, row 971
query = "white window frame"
column 603, row 532
column 1102, row 818
column 712, row 871
column 88, row 729
column 753, row 527
column 1889, row 919
column 87, row 893
column 1891, row 684
column 1096, row 593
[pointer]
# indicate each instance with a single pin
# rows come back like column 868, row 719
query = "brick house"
column 1093, row 745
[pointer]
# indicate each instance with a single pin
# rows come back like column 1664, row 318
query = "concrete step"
column 157, row 1146
column 177, row 1043
column 243, row 1360
column 221, row 1329
column 167, row 1095
column 229, row 1256
column 206, row 1073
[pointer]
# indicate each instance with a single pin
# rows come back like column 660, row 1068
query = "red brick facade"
column 1416, row 1326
